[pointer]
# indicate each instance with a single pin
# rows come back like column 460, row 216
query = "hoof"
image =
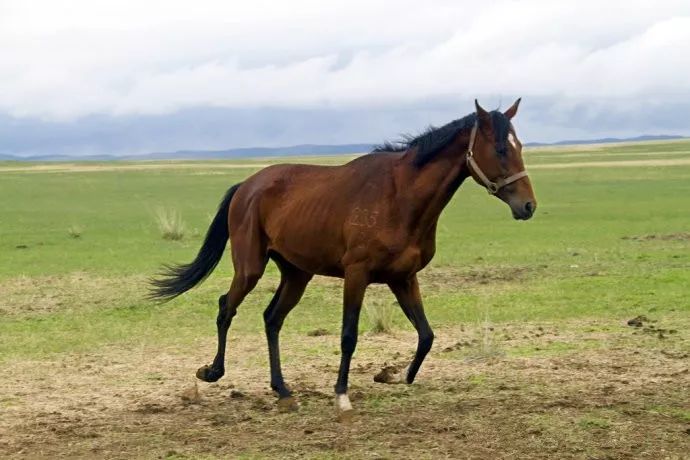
column 343, row 409
column 209, row 374
column 288, row 404
column 391, row 375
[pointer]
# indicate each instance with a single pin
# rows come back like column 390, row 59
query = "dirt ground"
column 504, row 391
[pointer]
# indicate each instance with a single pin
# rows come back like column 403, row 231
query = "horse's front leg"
column 353, row 295
column 410, row 300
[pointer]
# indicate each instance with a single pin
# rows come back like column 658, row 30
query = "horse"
column 371, row 220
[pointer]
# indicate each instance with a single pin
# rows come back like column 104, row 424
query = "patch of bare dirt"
column 38, row 295
column 682, row 236
column 620, row 399
column 318, row 332
column 439, row 278
column 645, row 325
column 638, row 321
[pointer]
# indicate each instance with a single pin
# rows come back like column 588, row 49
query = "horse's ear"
column 482, row 115
column 512, row 110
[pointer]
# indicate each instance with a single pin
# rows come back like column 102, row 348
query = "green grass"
column 589, row 423
column 571, row 261
column 533, row 356
column 682, row 415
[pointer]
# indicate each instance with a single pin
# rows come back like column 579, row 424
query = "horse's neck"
column 435, row 183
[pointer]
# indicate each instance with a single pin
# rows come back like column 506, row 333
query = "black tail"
column 177, row 279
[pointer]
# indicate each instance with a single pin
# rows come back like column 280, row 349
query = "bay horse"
column 372, row 220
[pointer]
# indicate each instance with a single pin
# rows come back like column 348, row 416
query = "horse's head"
column 494, row 159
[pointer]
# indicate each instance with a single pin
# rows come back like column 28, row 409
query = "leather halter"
column 491, row 186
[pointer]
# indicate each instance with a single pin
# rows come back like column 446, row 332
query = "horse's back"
column 287, row 184
column 303, row 211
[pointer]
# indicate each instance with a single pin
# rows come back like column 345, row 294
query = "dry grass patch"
column 170, row 224
column 439, row 278
column 40, row 295
column 380, row 313
column 683, row 236
column 75, row 231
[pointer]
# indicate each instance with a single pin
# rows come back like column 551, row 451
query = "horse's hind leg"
column 248, row 271
column 292, row 284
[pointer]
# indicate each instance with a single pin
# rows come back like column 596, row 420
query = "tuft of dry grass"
column 488, row 346
column 380, row 315
column 170, row 224
column 75, row 231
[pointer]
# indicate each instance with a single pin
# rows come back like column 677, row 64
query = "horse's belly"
column 313, row 252
column 310, row 263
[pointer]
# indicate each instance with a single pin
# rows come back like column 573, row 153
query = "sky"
column 127, row 77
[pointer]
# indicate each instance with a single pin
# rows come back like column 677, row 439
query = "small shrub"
column 170, row 224
column 380, row 314
column 487, row 347
column 75, row 231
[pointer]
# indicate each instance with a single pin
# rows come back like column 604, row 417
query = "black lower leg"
column 410, row 300
column 217, row 369
column 277, row 382
column 292, row 285
column 273, row 325
column 223, row 322
column 348, row 343
column 425, row 340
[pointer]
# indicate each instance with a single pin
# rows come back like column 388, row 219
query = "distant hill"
column 606, row 140
column 304, row 149
column 249, row 152
column 295, row 150
column 5, row 157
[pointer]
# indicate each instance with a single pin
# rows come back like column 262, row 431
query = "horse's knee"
column 272, row 326
column 244, row 280
column 348, row 343
column 272, row 320
column 426, row 340
column 226, row 311
column 250, row 280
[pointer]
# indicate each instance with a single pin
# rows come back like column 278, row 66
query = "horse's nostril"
column 529, row 207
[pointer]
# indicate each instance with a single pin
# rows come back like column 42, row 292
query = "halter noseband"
column 491, row 187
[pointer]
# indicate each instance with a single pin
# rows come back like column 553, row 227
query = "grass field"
column 533, row 357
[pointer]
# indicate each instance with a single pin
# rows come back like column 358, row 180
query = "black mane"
column 433, row 139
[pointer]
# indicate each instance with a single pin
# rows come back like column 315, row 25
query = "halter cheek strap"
column 491, row 186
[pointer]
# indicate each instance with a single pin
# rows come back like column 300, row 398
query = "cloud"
column 159, row 57
column 573, row 61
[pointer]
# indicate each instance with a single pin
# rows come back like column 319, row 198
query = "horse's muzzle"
column 524, row 212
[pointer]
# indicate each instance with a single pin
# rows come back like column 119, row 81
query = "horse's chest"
column 407, row 261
